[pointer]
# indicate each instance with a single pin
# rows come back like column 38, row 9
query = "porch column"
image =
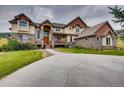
column 52, row 38
column 42, row 34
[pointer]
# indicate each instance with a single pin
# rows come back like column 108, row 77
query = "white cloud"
column 62, row 14
column 41, row 14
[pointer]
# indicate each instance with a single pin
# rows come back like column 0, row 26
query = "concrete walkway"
column 70, row 70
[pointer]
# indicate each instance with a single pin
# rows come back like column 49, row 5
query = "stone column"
column 52, row 38
column 42, row 34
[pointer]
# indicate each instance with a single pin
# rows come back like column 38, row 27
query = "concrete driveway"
column 70, row 70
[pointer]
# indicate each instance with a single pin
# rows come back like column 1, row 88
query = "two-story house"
column 45, row 34
column 48, row 35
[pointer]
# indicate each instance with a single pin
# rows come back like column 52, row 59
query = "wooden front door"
column 46, row 40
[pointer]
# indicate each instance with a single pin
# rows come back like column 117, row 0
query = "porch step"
column 47, row 46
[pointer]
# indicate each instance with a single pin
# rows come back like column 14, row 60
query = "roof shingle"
column 58, row 25
column 91, row 30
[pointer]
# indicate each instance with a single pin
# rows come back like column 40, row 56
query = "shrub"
column 14, row 45
column 70, row 45
column 3, row 48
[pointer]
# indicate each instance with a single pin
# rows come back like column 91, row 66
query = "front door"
column 46, row 40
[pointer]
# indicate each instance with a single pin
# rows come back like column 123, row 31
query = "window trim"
column 37, row 34
column 57, row 30
column 108, row 41
column 78, row 29
column 19, row 28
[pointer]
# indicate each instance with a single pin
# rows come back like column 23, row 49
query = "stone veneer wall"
column 87, row 42
column 94, row 43
column 31, row 39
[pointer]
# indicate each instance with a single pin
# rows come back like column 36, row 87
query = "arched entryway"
column 46, row 36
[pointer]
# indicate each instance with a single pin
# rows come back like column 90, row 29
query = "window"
column 108, row 41
column 23, row 38
column 57, row 38
column 38, row 34
column 46, row 33
column 23, row 24
column 57, row 29
column 78, row 29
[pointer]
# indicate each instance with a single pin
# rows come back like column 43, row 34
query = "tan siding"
column 14, row 28
column 32, row 29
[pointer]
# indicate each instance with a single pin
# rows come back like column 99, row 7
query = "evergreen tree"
column 118, row 15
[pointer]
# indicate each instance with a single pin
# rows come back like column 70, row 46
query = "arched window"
column 23, row 24
column 77, row 29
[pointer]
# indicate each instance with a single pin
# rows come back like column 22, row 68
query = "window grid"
column 108, row 41
column 23, row 24
column 57, row 29
column 77, row 29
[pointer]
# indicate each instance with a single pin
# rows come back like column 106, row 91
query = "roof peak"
column 101, row 23
column 78, row 17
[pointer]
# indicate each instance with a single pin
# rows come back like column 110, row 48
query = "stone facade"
column 94, row 43
column 101, row 36
column 90, row 42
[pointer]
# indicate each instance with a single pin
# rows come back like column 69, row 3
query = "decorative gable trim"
column 106, row 23
column 21, row 16
column 45, row 22
column 77, row 18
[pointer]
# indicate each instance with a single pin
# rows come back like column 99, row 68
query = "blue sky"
column 91, row 14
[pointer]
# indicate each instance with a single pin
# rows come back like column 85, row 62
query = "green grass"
column 92, row 51
column 12, row 61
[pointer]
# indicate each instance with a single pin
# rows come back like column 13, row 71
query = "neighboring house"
column 100, row 36
column 48, row 34
column 45, row 34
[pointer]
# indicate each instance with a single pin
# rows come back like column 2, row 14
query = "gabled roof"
column 36, row 23
column 91, row 31
column 18, row 17
column 12, row 21
column 46, row 21
column 75, row 20
column 58, row 25
column 22, row 14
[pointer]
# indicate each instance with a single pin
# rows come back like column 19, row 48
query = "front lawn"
column 92, row 51
column 12, row 61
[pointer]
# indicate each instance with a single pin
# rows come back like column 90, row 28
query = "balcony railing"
column 23, row 31
column 59, row 42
